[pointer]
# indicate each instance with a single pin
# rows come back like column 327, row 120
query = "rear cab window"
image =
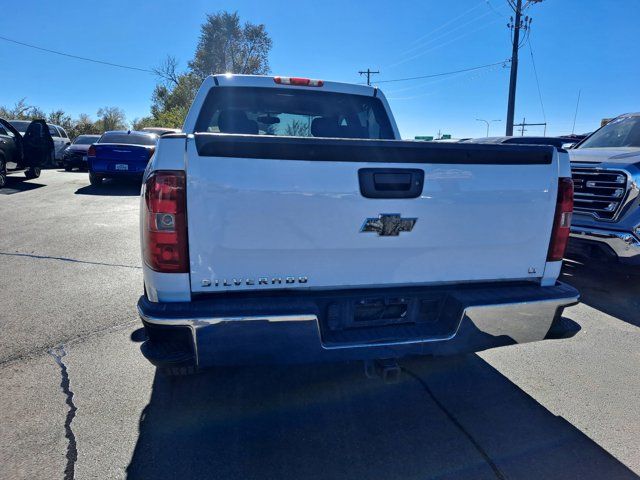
column 129, row 138
column 20, row 125
column 293, row 112
column 85, row 140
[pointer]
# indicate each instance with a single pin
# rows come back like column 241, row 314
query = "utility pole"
column 524, row 124
column 487, row 122
column 368, row 72
column 516, row 25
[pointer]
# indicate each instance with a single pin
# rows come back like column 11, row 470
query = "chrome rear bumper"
column 486, row 321
column 623, row 244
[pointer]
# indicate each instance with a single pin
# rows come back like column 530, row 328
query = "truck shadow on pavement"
column 449, row 417
column 75, row 170
column 606, row 287
column 17, row 185
column 112, row 188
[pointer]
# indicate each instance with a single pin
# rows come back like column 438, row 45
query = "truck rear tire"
column 95, row 180
column 32, row 172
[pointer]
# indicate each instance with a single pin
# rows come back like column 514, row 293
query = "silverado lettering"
column 250, row 281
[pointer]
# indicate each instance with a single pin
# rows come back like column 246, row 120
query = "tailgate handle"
column 391, row 182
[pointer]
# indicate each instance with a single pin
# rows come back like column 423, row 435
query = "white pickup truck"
column 289, row 223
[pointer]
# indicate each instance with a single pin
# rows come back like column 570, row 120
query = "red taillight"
column 299, row 81
column 561, row 220
column 164, row 223
column 92, row 151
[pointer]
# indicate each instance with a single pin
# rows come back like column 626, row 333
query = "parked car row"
column 113, row 154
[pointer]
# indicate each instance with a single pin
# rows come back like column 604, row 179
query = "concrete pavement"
column 69, row 276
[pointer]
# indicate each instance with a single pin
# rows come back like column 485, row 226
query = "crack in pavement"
column 72, row 449
column 487, row 458
column 65, row 259
column 73, row 339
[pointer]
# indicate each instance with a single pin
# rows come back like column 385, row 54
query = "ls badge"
column 388, row 224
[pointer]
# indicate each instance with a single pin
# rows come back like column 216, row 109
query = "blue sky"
column 587, row 45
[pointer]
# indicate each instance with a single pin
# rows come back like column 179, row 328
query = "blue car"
column 119, row 154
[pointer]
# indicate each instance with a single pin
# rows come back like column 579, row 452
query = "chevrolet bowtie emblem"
column 388, row 224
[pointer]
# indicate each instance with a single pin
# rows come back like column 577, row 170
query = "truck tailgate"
column 267, row 212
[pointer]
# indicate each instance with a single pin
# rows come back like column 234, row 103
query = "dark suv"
column 24, row 154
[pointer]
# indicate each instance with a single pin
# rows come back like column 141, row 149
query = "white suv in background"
column 60, row 141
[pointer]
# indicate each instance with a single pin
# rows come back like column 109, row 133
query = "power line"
column 77, row 57
column 441, row 36
column 420, row 41
column 535, row 72
column 450, row 80
column 504, row 62
column 440, row 45
column 447, row 23
column 429, row 82
column 573, row 128
column 428, row 38
column 490, row 5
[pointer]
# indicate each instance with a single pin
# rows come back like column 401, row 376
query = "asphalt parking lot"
column 77, row 400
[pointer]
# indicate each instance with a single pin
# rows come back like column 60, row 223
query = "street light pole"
column 487, row 122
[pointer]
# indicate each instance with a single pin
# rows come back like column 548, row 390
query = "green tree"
column 297, row 128
column 114, row 117
column 171, row 101
column 140, row 123
column 58, row 117
column 111, row 118
column 226, row 46
column 21, row 111
column 83, row 126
